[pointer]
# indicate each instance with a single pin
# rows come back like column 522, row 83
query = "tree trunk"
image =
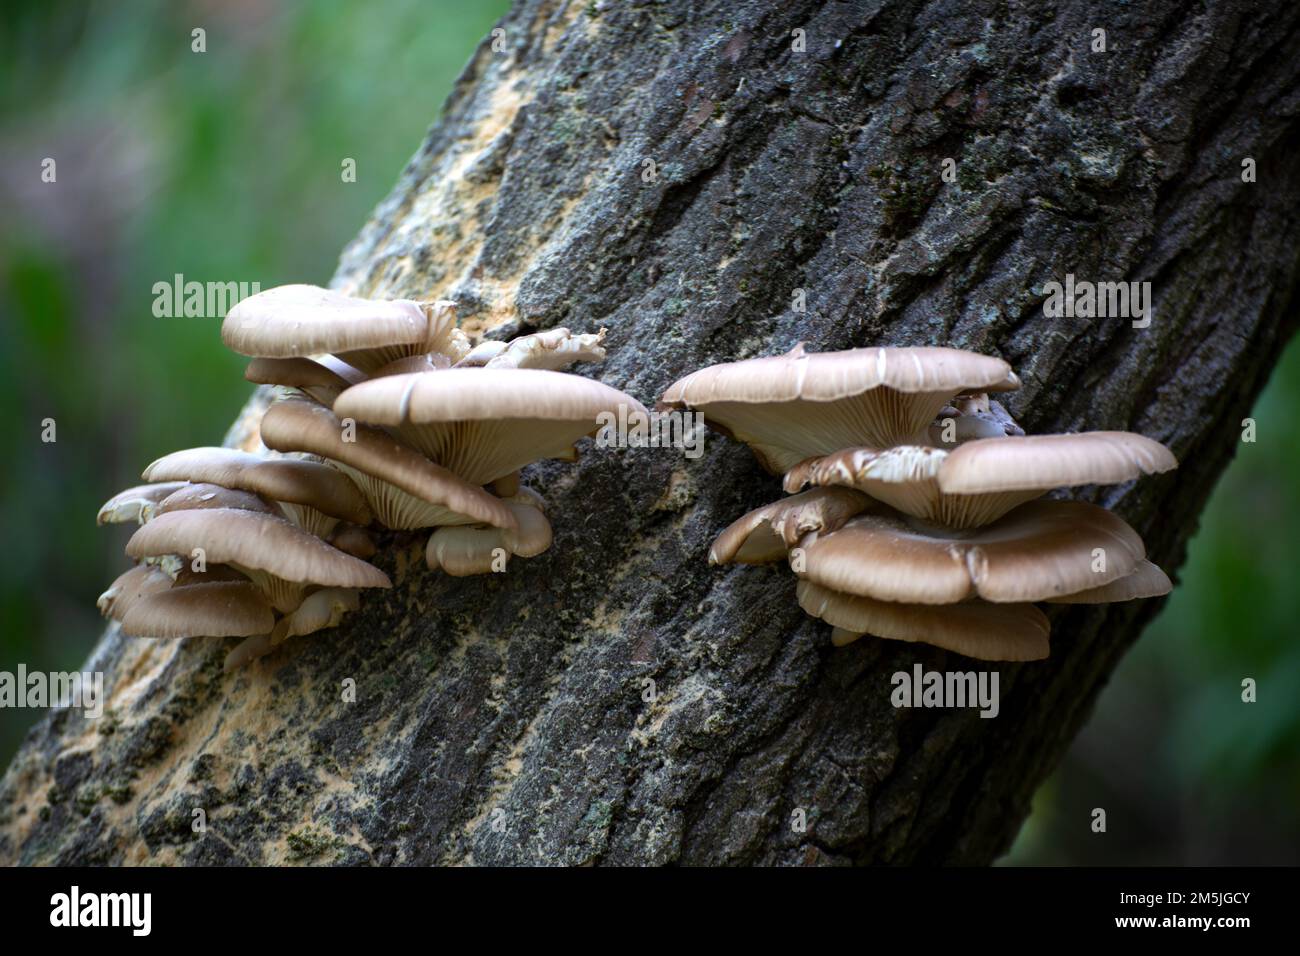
column 677, row 172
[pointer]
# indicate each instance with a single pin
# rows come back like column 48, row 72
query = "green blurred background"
column 225, row 166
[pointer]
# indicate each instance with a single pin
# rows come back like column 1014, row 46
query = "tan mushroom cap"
column 986, row 632
column 211, row 573
column 1145, row 581
column 979, row 481
column 1052, row 461
column 249, row 649
column 319, row 610
column 970, row 417
column 136, row 504
column 321, row 381
column 804, row 404
column 248, row 540
column 130, row 586
column 299, row 372
column 301, row 320
column 484, row 423
column 1041, row 550
column 288, row 480
column 206, row 495
column 767, row 533
column 405, row 489
column 219, row 609
column 354, row 541
column 474, row 550
column 552, row 349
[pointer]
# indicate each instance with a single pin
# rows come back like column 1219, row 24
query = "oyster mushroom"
column 979, row 481
column 302, row 320
column 972, row 416
column 404, row 489
column 319, row 610
column 280, row 558
column 216, row 609
column 207, row 495
column 485, row 423
column 986, row 632
column 313, row 494
column 129, row 586
column 1041, row 550
column 552, row 349
column 768, row 533
column 805, row 404
column 322, row 382
column 136, row 504
column 1144, row 581
column 462, row 551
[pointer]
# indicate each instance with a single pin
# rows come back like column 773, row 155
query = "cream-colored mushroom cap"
column 986, row 632
column 405, row 489
column 322, row 382
column 249, row 540
column 767, row 533
column 1041, row 550
column 476, row 550
column 136, row 504
column 552, row 349
column 484, row 423
column 1145, row 581
column 129, row 586
column 319, row 610
column 1014, row 463
column 206, row 495
column 219, row 609
column 289, row 480
column 978, row 482
column 804, row 404
column 303, row 320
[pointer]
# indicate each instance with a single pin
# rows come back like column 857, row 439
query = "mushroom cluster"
column 384, row 416
column 922, row 518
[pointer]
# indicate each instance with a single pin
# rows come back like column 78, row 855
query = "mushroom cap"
column 767, row 533
column 552, row 349
column 211, row 572
column 1026, row 462
column 249, row 649
column 300, row 372
column 1041, row 550
column 218, row 609
column 136, row 504
column 206, row 495
column 248, row 539
column 279, row 479
column 319, row 610
column 979, row 481
column 297, row 425
column 130, row 586
column 484, row 423
column 354, row 541
column 986, row 632
column 973, row 416
column 301, row 320
column 805, row 404
column 462, row 551
column 1145, row 581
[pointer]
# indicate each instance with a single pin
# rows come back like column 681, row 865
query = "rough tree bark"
column 501, row 719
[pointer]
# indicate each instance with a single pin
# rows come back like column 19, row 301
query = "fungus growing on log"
column 383, row 415
column 944, row 543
